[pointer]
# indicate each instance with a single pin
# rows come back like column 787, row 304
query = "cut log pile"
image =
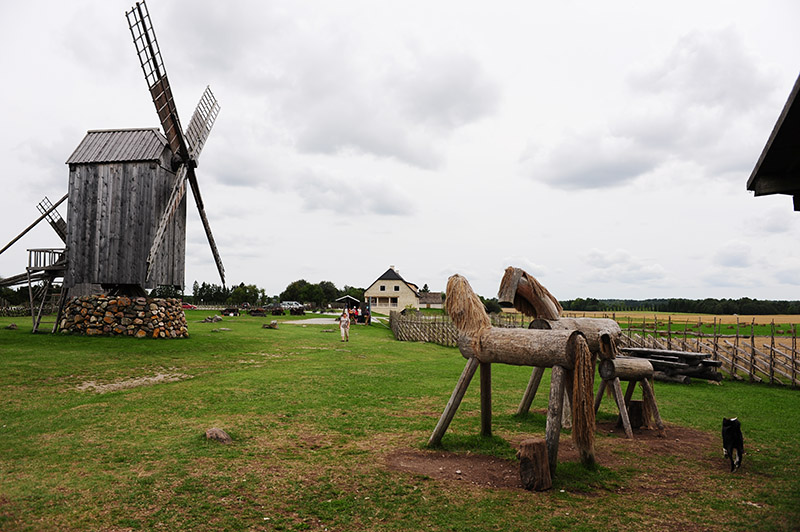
column 677, row 366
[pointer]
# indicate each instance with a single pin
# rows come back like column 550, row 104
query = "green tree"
column 295, row 291
column 329, row 292
column 312, row 293
column 166, row 291
column 15, row 297
column 492, row 305
column 352, row 291
column 246, row 294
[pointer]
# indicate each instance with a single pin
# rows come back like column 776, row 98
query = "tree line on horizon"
column 743, row 305
column 325, row 292
column 318, row 294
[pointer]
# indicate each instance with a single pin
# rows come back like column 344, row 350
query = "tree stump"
column 534, row 468
column 635, row 414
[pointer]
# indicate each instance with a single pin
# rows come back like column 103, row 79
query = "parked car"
column 290, row 305
column 189, row 306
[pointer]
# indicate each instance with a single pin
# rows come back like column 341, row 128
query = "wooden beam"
column 650, row 399
column 623, row 409
column 530, row 391
column 775, row 184
column 519, row 347
column 486, row 399
column 553, row 425
column 454, row 402
column 626, row 368
column 599, row 397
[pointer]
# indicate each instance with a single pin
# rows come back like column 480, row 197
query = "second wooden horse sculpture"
column 566, row 351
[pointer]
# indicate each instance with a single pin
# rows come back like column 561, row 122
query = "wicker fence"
column 440, row 330
column 418, row 328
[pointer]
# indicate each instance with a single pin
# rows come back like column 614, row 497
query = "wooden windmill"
column 126, row 224
column 127, row 218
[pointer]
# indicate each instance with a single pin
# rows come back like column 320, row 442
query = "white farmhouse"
column 391, row 292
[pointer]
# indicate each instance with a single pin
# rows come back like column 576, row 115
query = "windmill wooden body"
column 119, row 185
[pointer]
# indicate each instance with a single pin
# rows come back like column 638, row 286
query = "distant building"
column 391, row 292
column 431, row 300
column 347, row 302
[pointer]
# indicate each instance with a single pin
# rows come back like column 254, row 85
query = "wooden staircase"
column 45, row 271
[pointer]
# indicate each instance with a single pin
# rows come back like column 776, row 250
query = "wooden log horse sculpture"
column 528, row 296
column 565, row 351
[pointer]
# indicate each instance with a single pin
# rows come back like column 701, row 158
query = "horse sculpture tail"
column 583, row 417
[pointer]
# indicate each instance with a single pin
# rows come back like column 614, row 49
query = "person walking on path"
column 344, row 326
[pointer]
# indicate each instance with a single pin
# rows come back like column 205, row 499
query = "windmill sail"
column 178, row 191
column 201, row 209
column 144, row 38
column 53, row 218
column 187, row 146
column 202, row 120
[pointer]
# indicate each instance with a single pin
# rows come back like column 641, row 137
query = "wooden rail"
column 773, row 358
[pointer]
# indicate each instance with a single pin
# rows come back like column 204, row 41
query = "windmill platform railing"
column 43, row 259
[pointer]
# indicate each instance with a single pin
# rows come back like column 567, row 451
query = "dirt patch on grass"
column 469, row 468
column 687, row 458
column 135, row 382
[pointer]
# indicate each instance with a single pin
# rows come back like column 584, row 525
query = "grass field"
column 108, row 434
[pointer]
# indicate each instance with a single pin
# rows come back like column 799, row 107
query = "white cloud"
column 351, row 196
column 404, row 110
column 733, row 255
column 589, row 160
column 445, row 90
column 788, row 275
column 700, row 104
column 620, row 266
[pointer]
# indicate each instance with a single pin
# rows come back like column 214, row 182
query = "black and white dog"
column 732, row 441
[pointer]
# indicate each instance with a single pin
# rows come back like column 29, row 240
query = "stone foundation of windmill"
column 140, row 317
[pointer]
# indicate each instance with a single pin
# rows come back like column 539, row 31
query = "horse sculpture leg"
column 530, row 391
column 554, row 405
column 486, row 399
column 454, row 402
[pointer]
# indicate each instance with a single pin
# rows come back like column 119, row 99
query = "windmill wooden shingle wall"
column 119, row 185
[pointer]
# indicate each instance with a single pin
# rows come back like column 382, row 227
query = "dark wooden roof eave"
column 778, row 168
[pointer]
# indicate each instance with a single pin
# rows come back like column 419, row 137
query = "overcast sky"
column 604, row 147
